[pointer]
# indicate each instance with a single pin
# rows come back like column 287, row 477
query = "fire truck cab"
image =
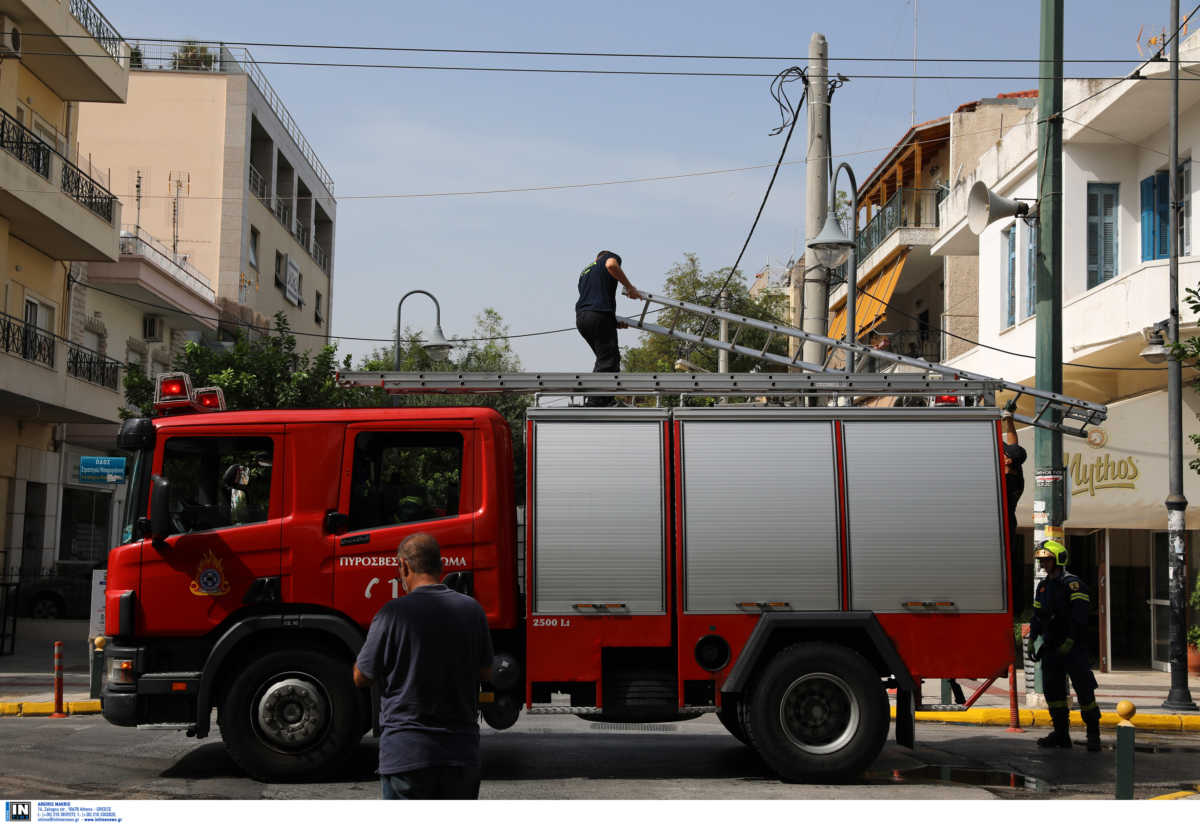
column 781, row 567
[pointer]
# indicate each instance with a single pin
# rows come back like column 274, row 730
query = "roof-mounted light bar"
column 173, row 394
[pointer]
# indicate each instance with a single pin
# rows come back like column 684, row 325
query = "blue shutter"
column 1162, row 209
column 1010, row 301
column 1102, row 203
column 1031, row 273
column 1149, row 224
column 1093, row 236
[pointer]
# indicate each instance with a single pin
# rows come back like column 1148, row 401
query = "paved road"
column 567, row 758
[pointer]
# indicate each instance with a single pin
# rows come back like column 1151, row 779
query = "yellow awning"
column 871, row 301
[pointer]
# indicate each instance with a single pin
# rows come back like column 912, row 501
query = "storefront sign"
column 101, row 470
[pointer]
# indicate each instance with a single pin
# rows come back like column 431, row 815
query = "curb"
column 1177, row 796
column 996, row 717
column 42, row 709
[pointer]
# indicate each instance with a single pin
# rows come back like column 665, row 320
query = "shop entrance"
column 1129, row 592
column 1160, row 603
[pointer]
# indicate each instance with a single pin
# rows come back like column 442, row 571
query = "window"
column 1010, row 275
column 1185, row 212
column 1031, row 269
column 317, row 309
column 152, row 327
column 279, row 266
column 83, row 525
column 135, row 359
column 1156, row 213
column 218, row 482
column 1101, row 233
column 404, row 477
column 254, row 248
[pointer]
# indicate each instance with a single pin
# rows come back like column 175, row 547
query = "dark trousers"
column 432, row 783
column 599, row 329
column 1055, row 671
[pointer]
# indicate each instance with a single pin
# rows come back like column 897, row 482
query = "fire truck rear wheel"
column 818, row 712
column 291, row 715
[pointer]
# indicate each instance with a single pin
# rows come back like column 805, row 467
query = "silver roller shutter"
column 924, row 514
column 760, row 515
column 598, row 515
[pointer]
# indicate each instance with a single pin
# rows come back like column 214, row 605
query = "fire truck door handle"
column 601, row 607
column 927, row 604
column 763, row 606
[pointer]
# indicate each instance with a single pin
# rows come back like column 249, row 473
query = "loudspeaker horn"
column 985, row 206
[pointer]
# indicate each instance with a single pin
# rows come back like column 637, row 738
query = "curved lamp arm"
column 437, row 346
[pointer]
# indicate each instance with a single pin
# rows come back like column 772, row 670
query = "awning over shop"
column 872, row 299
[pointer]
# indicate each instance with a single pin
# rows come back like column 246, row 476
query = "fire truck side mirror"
column 336, row 523
column 160, row 509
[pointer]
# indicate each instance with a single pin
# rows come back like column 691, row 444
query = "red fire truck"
column 782, row 567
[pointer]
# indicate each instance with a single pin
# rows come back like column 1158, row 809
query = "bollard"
column 1014, row 717
column 58, row 682
column 1125, row 735
column 96, row 681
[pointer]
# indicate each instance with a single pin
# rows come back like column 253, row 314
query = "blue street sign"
column 101, row 470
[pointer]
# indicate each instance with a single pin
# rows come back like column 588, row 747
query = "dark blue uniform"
column 1060, row 618
column 596, row 318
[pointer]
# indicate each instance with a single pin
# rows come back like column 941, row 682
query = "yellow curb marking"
column 994, row 716
column 1174, row 796
column 10, row 708
column 83, row 707
column 37, row 708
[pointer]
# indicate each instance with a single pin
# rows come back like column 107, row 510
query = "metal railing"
column 908, row 209
column 91, row 366
column 26, row 340
column 321, row 255
column 300, row 232
column 258, row 187
column 217, row 57
column 87, row 191
column 135, row 242
column 97, row 26
column 24, row 145
column 283, row 212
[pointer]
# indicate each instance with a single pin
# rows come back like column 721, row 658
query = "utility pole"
column 1179, row 697
column 1048, row 507
column 816, row 187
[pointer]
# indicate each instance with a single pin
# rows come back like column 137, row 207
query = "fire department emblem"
column 210, row 577
column 1074, row 586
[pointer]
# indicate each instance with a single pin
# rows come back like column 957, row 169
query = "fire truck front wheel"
column 818, row 712
column 291, row 715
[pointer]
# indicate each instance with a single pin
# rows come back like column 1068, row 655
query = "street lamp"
column 435, row 344
column 832, row 247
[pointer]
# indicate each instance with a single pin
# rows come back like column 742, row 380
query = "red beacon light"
column 172, row 392
column 210, row 399
column 946, row 400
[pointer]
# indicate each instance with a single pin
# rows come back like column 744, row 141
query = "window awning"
column 871, row 301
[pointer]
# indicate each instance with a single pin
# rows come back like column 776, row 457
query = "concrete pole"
column 815, row 317
column 1048, row 509
column 1179, row 697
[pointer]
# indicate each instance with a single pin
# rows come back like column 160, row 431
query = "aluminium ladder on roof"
column 1053, row 411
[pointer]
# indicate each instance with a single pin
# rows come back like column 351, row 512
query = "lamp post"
column 833, row 247
column 435, row 344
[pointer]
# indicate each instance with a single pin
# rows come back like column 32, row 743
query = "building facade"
column 1114, row 291
column 57, row 213
column 210, row 161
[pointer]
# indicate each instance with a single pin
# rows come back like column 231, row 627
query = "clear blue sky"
column 406, row 132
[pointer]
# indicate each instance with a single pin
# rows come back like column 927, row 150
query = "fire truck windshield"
column 135, row 500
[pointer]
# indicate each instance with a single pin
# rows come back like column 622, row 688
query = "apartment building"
column 1115, row 289
column 207, row 159
column 57, row 212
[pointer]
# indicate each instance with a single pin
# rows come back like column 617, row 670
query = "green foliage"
column 687, row 281
column 259, row 372
column 191, row 56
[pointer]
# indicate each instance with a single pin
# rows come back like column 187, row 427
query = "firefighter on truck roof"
column 1060, row 616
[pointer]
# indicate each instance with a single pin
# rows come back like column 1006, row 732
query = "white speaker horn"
column 985, row 206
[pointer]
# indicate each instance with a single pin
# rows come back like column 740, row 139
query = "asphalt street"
column 553, row 757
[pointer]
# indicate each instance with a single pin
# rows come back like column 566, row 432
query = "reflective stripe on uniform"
column 1080, row 596
column 1054, row 705
column 1091, row 706
column 1037, row 604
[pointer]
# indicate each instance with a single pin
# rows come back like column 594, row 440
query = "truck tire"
column 291, row 715
column 818, row 712
column 730, row 719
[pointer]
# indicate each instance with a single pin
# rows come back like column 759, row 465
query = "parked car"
column 61, row 595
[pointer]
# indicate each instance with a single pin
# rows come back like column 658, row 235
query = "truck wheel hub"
column 292, row 713
column 819, row 713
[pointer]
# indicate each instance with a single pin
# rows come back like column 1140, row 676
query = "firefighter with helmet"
column 1060, row 616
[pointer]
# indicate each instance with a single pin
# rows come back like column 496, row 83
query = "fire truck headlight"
column 120, row 671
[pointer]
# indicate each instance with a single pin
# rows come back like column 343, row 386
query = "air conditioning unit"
column 10, row 38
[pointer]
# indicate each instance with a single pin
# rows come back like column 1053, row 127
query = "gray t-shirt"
column 425, row 651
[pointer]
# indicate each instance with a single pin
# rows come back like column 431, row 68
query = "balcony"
column 73, row 49
column 259, row 188
column 51, row 203
column 36, row 382
column 283, row 213
column 321, row 255
column 148, row 272
column 906, row 209
column 300, row 232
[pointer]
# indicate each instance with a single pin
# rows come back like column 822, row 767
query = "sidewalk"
column 27, row 676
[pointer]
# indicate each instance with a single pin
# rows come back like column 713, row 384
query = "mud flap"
column 906, row 719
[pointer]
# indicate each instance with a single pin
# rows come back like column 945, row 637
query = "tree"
column 487, row 350
column 258, row 372
column 191, row 56
column 687, row 281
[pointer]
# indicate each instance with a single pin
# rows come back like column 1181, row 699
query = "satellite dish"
column 984, row 207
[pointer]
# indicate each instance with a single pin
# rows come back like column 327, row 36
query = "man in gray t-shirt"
column 428, row 650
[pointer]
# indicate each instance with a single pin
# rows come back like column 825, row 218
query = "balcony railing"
column 24, row 145
column 136, row 242
column 97, row 26
column 300, row 232
column 283, row 213
column 195, row 56
column 90, row 366
column 906, row 209
column 321, row 255
column 86, row 191
column 258, row 187
column 26, row 340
